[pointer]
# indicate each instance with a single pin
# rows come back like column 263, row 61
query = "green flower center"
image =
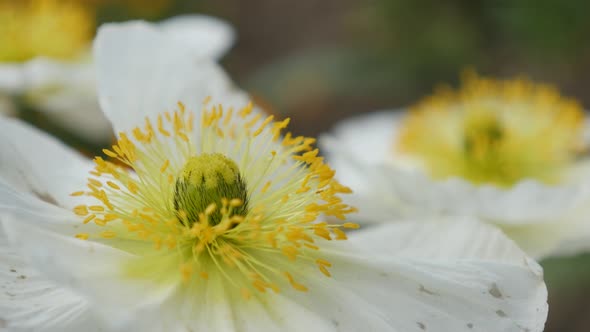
column 205, row 180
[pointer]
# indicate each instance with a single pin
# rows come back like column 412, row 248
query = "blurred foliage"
column 545, row 29
column 568, row 283
column 434, row 41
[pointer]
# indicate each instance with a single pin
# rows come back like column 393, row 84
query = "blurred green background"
column 323, row 60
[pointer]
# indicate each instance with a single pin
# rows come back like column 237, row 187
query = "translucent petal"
column 142, row 72
column 204, row 36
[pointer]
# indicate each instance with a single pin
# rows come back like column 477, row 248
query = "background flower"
column 487, row 150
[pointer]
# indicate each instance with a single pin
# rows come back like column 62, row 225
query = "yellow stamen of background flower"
column 496, row 132
column 237, row 203
column 52, row 28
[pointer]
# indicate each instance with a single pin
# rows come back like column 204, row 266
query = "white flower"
column 56, row 75
column 509, row 153
column 208, row 221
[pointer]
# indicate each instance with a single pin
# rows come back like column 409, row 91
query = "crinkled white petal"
column 92, row 270
column 141, row 72
column 392, row 189
column 31, row 302
column 32, row 161
column 29, row 208
column 433, row 276
column 203, row 36
column 88, row 268
column 441, row 276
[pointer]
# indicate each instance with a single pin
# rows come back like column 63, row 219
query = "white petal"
column 142, row 72
column 88, row 268
column 38, row 73
column 408, row 279
column 564, row 237
column 67, row 93
column 447, row 276
column 415, row 194
column 44, row 72
column 204, row 36
column 41, row 72
column 30, row 209
column 436, row 277
column 439, row 238
column 32, row 161
column 368, row 138
column 12, row 78
column 279, row 313
column 364, row 143
column 30, row 301
column 76, row 109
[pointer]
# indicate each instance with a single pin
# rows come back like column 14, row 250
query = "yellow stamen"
column 108, row 234
column 82, row 236
column 81, row 210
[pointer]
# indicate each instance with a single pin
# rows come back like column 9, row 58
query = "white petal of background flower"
column 12, row 79
column 136, row 79
column 203, row 36
column 359, row 143
column 368, row 137
column 66, row 91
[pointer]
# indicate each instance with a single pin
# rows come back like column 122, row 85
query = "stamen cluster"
column 497, row 132
column 155, row 200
